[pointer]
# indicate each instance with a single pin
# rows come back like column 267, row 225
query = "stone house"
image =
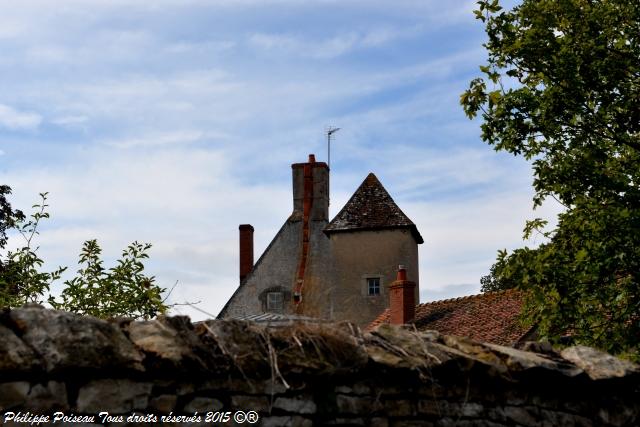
column 335, row 270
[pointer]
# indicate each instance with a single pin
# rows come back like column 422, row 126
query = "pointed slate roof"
column 371, row 208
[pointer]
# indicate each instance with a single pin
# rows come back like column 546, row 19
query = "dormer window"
column 373, row 286
column 275, row 301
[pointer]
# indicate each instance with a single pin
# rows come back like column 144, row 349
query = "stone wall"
column 59, row 365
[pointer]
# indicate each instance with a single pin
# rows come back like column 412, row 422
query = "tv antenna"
column 330, row 131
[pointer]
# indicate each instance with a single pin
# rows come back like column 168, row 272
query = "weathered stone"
column 518, row 361
column 285, row 421
column 400, row 348
column 525, row 416
column 542, row 347
column 68, row 341
column 335, row 350
column 164, row 403
column 357, row 388
column 619, row 416
column 554, row 418
column 353, row 404
column 203, row 404
column 43, row 398
column 15, row 355
column 114, row 396
column 185, row 388
column 242, row 342
column 298, row 406
column 400, row 408
column 433, row 407
column 470, row 409
column 171, row 343
column 250, row 403
column 13, row 394
column 599, row 365
column 379, row 422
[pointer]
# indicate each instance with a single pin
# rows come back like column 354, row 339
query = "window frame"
column 373, row 283
column 276, row 305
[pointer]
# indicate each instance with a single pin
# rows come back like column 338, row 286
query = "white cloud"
column 462, row 236
column 70, row 121
column 170, row 138
column 13, row 119
column 329, row 47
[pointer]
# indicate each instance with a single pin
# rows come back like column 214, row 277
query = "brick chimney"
column 402, row 299
column 311, row 189
column 246, row 250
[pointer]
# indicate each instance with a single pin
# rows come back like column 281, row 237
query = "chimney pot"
column 246, row 250
column 312, row 158
column 402, row 299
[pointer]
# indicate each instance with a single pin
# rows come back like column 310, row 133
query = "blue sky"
column 171, row 122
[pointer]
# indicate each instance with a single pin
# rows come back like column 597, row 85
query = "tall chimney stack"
column 402, row 299
column 246, row 250
column 311, row 188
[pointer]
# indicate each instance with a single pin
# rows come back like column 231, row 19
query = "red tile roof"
column 371, row 207
column 489, row 317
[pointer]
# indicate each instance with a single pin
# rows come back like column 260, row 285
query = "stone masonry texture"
column 302, row 375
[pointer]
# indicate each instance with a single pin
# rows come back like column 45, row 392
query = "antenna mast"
column 330, row 132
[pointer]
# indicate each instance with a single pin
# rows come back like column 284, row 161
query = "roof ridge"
column 472, row 296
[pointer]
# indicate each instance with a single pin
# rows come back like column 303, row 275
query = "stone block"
column 45, row 397
column 600, row 365
column 400, row 408
column 164, row 403
column 13, row 394
column 15, row 355
column 203, row 404
column 353, row 404
column 68, row 341
column 115, row 396
column 295, row 405
column 521, row 415
column 357, row 388
column 250, row 403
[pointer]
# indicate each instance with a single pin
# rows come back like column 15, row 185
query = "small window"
column 373, row 285
column 275, row 301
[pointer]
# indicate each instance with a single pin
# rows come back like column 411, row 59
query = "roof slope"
column 489, row 317
column 371, row 207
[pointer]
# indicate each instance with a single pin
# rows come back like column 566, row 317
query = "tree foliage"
column 21, row 278
column 123, row 290
column 561, row 87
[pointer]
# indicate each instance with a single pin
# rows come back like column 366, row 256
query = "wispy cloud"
column 329, row 47
column 165, row 138
column 13, row 119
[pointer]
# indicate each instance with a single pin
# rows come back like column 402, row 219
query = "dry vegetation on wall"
column 303, row 375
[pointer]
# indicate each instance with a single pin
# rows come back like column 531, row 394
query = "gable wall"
column 276, row 267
